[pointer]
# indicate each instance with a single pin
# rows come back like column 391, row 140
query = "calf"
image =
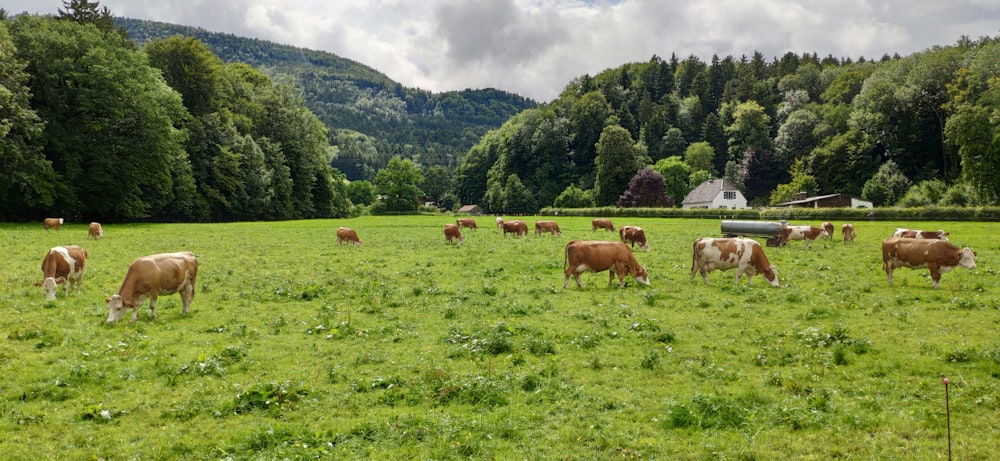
column 938, row 256
column 451, row 231
column 602, row 224
column 52, row 223
column 467, row 222
column 633, row 235
column 518, row 228
column 828, row 227
column 921, row 234
column 347, row 235
column 499, row 222
column 847, row 230
column 746, row 255
column 151, row 276
column 95, row 231
column 551, row 227
column 599, row 256
column 62, row 265
column 807, row 233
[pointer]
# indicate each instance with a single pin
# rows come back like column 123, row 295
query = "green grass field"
column 408, row 348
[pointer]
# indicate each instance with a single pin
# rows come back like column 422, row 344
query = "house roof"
column 468, row 208
column 815, row 198
column 708, row 190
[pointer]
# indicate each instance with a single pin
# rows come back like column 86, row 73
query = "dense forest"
column 914, row 131
column 114, row 119
column 370, row 117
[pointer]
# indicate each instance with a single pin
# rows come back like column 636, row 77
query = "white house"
column 715, row 193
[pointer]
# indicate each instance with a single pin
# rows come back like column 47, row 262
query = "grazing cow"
column 151, row 276
column 807, row 233
column 451, row 231
column 746, row 255
column 921, row 234
column 936, row 255
column 52, row 223
column 518, row 228
column 602, row 224
column 62, row 265
column 633, row 235
column 499, row 222
column 847, row 230
column 467, row 222
column 95, row 231
column 551, row 227
column 346, row 234
column 828, row 227
column 599, row 256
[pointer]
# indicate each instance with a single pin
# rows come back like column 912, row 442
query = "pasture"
column 408, row 348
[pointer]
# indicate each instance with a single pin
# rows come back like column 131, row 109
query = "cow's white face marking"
column 968, row 259
column 116, row 309
column 49, row 286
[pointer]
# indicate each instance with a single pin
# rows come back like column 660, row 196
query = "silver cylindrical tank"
column 758, row 228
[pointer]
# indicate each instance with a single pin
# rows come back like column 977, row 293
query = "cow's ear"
column 107, row 300
column 38, row 284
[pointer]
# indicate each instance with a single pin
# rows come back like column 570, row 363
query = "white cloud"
column 535, row 47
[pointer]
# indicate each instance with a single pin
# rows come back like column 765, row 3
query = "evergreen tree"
column 617, row 161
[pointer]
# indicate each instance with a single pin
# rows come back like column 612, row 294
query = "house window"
column 729, row 195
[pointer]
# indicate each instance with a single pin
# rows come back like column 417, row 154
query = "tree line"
column 915, row 131
column 94, row 125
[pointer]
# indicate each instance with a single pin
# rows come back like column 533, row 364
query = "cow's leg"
column 152, row 305
column 935, row 275
column 888, row 273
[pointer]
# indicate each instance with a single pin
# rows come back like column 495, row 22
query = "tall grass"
column 408, row 348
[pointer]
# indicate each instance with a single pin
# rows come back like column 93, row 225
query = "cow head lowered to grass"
column 151, row 276
column 599, row 256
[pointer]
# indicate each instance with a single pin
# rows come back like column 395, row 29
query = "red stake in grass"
column 947, row 411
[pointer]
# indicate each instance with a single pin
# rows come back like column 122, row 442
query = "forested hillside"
column 914, row 130
column 370, row 117
column 166, row 122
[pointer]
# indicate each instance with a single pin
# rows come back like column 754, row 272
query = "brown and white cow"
column 599, row 256
column 938, row 256
column 807, row 233
column 921, row 234
column 847, row 230
column 347, row 235
column 151, row 276
column 95, row 231
column 517, row 227
column 468, row 223
column 452, row 232
column 602, row 224
column 633, row 235
column 499, row 222
column 551, row 227
column 746, row 255
column 828, row 227
column 62, row 265
column 52, row 223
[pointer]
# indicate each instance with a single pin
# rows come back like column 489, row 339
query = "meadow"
column 410, row 348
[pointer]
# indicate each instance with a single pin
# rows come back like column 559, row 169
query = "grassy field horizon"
column 407, row 347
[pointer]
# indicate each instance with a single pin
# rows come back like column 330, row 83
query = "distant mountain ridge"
column 371, row 118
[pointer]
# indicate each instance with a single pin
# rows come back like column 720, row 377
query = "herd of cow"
column 147, row 277
column 169, row 273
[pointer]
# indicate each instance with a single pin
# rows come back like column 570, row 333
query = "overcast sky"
column 535, row 47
